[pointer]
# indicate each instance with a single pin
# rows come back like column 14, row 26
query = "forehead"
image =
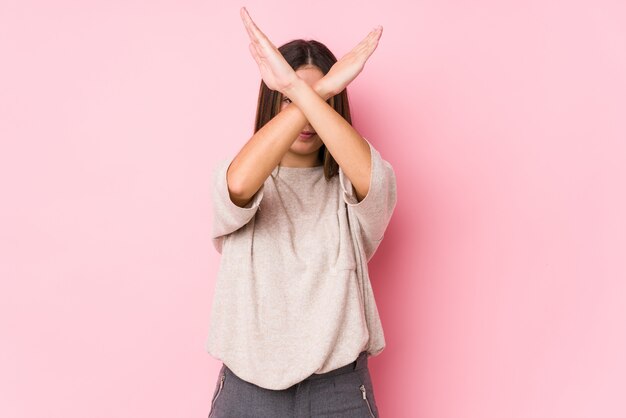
column 309, row 73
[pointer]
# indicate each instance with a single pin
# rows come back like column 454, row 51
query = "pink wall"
column 501, row 281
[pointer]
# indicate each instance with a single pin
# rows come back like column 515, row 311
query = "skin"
column 278, row 142
column 304, row 152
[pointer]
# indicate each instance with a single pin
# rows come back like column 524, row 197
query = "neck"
column 300, row 161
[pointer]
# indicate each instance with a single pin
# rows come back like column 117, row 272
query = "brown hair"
column 297, row 53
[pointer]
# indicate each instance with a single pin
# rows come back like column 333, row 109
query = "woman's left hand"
column 275, row 70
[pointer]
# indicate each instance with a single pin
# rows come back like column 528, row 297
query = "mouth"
column 306, row 134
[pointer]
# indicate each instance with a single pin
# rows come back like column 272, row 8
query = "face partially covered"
column 303, row 151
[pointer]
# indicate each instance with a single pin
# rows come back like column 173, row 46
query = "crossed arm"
column 265, row 149
column 346, row 145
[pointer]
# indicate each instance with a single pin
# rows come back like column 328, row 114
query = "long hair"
column 297, row 53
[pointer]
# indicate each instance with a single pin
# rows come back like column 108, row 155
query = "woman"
column 298, row 213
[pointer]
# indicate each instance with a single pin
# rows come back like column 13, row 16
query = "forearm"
column 264, row 150
column 346, row 145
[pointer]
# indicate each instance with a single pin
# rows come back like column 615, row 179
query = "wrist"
column 300, row 87
column 294, row 88
column 321, row 89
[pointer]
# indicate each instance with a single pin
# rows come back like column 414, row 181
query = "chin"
column 304, row 149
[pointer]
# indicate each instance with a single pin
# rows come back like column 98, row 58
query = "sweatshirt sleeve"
column 227, row 216
column 374, row 211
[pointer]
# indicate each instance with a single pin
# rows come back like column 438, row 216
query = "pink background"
column 501, row 281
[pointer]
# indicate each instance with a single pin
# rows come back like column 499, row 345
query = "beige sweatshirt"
column 292, row 294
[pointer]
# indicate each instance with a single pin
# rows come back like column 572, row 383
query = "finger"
column 371, row 40
column 250, row 24
column 367, row 46
column 371, row 48
column 258, row 34
column 259, row 51
column 254, row 54
column 246, row 23
column 378, row 33
column 374, row 35
column 365, row 42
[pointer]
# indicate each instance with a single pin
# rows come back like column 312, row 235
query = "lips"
column 306, row 135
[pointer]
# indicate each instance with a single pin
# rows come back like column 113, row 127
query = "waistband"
column 359, row 363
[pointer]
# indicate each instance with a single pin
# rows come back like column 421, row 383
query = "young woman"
column 298, row 213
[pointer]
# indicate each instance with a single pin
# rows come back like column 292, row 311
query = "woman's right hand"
column 350, row 65
column 275, row 70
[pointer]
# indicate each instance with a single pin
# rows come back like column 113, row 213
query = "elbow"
column 237, row 192
column 239, row 197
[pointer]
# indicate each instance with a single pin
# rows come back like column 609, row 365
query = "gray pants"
column 346, row 392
